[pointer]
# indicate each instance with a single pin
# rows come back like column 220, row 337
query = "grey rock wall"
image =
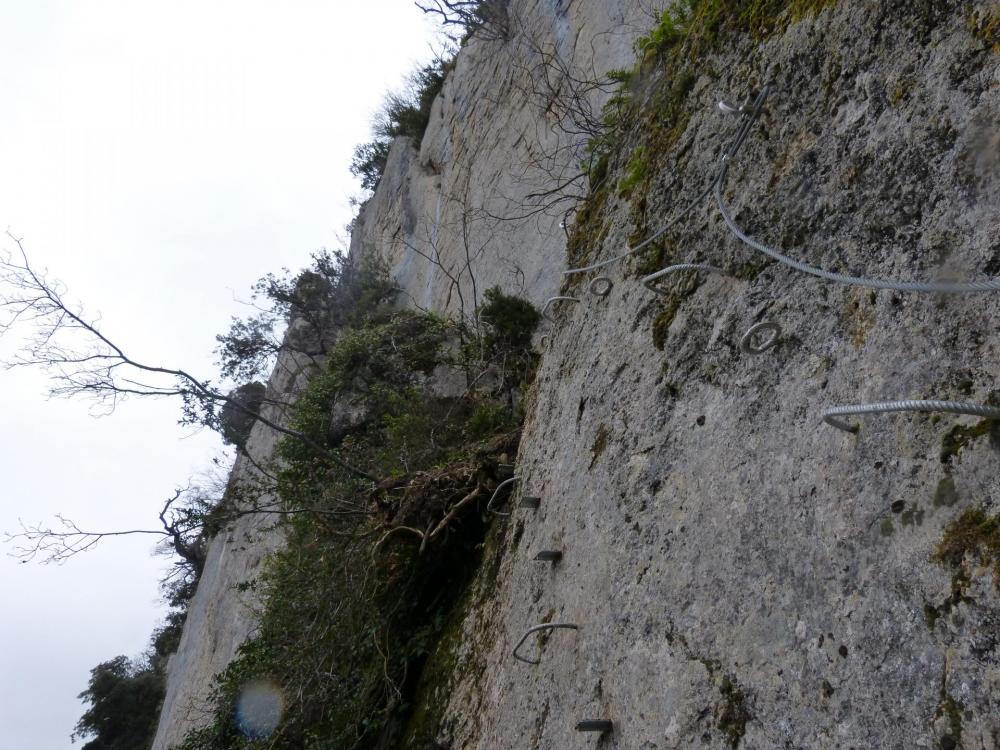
column 486, row 132
column 742, row 574
column 480, row 203
column 220, row 615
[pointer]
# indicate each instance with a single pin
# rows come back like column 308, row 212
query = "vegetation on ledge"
column 374, row 576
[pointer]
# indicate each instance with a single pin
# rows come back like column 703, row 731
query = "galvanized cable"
column 731, row 149
column 993, row 285
column 830, row 416
column 648, row 281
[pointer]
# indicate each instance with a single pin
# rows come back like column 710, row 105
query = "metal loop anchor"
column 747, row 342
column 536, row 629
column 601, row 286
column 550, row 300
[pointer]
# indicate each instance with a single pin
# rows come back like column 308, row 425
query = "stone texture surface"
column 739, row 571
column 221, row 616
column 461, row 213
column 736, row 567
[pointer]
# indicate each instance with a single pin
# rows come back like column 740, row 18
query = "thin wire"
column 504, row 483
column 535, row 629
column 830, row 416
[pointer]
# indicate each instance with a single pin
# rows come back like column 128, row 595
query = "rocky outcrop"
column 222, row 613
column 487, row 197
column 434, row 201
column 742, row 575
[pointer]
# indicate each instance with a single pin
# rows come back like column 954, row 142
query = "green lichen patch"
column 974, row 535
column 945, row 495
column 589, row 231
column 635, row 173
column 985, row 25
column 885, row 527
column 959, row 585
column 732, row 713
column 952, row 709
column 961, row 436
column 661, row 323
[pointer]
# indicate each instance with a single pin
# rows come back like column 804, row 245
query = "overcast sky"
column 157, row 158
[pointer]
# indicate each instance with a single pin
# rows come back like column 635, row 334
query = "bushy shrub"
column 404, row 113
column 510, row 321
column 125, row 694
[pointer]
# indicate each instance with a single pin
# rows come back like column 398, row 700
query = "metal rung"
column 549, row 555
column 536, row 629
column 594, row 725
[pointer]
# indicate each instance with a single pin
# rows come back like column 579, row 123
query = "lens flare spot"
column 259, row 708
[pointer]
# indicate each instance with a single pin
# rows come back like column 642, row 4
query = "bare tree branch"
column 84, row 362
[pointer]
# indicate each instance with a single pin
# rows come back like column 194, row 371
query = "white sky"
column 158, row 158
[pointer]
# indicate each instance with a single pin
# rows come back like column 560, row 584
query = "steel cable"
column 732, row 148
column 648, row 281
column 993, row 285
column 830, row 416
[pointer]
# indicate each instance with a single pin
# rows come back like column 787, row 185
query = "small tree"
column 404, row 113
column 125, row 694
column 83, row 361
column 124, row 698
column 489, row 19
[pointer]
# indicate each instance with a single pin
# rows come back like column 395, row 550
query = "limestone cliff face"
column 487, row 197
column 742, row 575
column 221, row 615
column 482, row 153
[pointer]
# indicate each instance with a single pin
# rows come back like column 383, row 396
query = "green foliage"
column 368, row 162
column 666, row 32
column 407, row 113
column 373, row 369
column 511, row 321
column 635, row 172
column 124, row 695
column 351, row 609
column 324, row 297
column 404, row 113
column 488, row 418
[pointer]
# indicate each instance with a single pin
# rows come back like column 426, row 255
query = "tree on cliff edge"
column 82, row 361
